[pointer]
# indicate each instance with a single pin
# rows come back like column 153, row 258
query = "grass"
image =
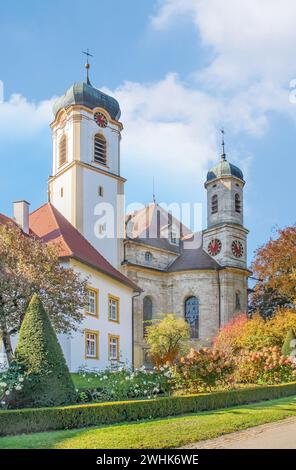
column 89, row 381
column 158, row 434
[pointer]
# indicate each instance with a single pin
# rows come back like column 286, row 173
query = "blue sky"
column 181, row 69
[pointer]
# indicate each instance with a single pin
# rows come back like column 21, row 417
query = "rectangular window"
column 91, row 344
column 92, row 302
column 113, row 309
column 114, row 348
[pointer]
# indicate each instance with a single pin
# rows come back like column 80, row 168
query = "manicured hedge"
column 47, row 419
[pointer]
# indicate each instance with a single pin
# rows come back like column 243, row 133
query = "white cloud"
column 249, row 38
column 21, row 119
column 168, row 124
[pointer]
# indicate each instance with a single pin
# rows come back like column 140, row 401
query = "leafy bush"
column 122, row 383
column 41, row 356
column 255, row 333
column 11, row 381
column 203, row 369
column 167, row 339
column 289, row 346
column 229, row 337
column 267, row 366
column 80, row 416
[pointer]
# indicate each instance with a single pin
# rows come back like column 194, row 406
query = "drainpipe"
column 133, row 328
column 219, row 296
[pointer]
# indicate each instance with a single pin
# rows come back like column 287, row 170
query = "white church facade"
column 133, row 277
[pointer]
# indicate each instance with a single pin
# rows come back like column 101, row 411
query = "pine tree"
column 39, row 351
column 289, row 344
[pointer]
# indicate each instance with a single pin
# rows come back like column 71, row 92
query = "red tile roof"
column 48, row 224
column 5, row 220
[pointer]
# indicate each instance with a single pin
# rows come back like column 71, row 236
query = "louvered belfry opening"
column 100, row 151
column 214, row 204
column 63, row 151
column 237, row 203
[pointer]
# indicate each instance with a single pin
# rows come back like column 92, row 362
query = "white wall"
column 75, row 354
column 74, row 347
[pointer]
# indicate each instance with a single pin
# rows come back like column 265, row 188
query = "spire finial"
column 153, row 196
column 87, row 65
column 223, row 154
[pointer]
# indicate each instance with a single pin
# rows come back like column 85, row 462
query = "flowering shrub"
column 267, row 366
column 122, row 383
column 11, row 380
column 203, row 369
column 255, row 333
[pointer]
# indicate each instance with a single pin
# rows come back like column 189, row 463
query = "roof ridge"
column 82, row 236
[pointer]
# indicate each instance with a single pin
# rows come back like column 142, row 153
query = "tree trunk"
column 5, row 336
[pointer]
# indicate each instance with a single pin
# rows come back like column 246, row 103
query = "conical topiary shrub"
column 39, row 351
column 289, row 344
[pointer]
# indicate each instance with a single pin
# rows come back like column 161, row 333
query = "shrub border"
column 79, row 416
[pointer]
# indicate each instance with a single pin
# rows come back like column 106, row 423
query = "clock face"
column 101, row 120
column 214, row 247
column 237, row 249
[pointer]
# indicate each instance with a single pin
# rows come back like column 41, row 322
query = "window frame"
column 96, row 293
column 214, row 204
column 100, row 136
column 113, row 298
column 237, row 203
column 117, row 338
column 198, row 315
column 96, row 334
column 146, row 321
column 148, row 257
column 63, row 141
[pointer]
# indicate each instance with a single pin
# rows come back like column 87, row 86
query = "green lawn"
column 80, row 382
column 158, row 434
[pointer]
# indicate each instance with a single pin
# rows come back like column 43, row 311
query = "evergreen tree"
column 39, row 351
column 290, row 344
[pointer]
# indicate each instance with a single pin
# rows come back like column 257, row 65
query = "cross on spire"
column 223, row 154
column 153, row 196
column 87, row 65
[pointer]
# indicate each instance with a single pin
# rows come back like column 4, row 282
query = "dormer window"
column 174, row 237
column 148, row 257
column 237, row 201
column 214, row 204
column 100, row 149
column 63, row 151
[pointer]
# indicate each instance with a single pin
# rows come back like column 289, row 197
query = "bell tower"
column 225, row 238
column 86, row 185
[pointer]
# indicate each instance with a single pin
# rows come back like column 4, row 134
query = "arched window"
column 63, row 151
column 214, row 204
column 147, row 313
column 148, row 257
column 192, row 315
column 238, row 305
column 100, row 149
column 237, row 201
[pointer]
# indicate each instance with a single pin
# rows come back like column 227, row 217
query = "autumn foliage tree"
column 275, row 264
column 27, row 267
column 255, row 333
column 167, row 339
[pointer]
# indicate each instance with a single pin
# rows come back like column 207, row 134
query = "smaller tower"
column 225, row 236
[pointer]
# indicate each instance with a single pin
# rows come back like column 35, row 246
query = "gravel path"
column 278, row 435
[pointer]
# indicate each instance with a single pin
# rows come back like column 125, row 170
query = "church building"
column 148, row 263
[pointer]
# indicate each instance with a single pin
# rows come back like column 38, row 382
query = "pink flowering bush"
column 229, row 338
column 203, row 369
column 267, row 366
